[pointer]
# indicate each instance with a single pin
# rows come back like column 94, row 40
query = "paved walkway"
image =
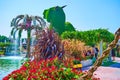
column 108, row 73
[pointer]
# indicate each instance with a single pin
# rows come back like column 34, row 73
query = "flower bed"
column 50, row 69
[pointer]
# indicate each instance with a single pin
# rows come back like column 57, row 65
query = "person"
column 88, row 53
column 84, row 53
column 95, row 51
column 113, row 54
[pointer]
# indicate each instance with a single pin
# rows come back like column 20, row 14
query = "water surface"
column 9, row 64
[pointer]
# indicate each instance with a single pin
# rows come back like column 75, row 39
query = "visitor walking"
column 113, row 54
column 95, row 51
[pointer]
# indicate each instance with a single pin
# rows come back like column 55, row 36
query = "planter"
column 86, row 63
column 77, row 66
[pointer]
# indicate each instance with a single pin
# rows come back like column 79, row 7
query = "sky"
column 83, row 14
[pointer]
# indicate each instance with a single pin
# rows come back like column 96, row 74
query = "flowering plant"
column 50, row 69
column 76, row 48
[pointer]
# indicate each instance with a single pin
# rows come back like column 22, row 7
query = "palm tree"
column 27, row 23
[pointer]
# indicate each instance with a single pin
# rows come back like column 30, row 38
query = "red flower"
column 53, row 68
column 6, row 78
column 23, row 68
column 33, row 71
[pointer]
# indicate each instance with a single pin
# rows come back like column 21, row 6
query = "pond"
column 9, row 64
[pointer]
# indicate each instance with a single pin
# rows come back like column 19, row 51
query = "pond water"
column 9, row 64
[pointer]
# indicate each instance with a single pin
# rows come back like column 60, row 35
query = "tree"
column 4, row 38
column 69, row 27
column 27, row 23
column 90, row 37
column 98, row 62
column 56, row 17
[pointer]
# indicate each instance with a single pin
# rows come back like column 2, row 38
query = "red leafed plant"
column 48, row 45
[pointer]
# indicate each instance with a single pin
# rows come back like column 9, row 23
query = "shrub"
column 75, row 48
column 48, row 45
column 2, row 52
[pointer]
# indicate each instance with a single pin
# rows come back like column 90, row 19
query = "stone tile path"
column 111, row 72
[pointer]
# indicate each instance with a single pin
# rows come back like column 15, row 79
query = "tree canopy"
column 4, row 38
column 90, row 37
column 69, row 27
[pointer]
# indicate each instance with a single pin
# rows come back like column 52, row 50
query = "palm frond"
column 12, row 31
column 20, row 32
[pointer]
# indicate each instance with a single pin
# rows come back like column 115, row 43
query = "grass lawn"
column 108, row 63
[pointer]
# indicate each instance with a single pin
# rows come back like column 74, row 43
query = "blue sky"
column 83, row 14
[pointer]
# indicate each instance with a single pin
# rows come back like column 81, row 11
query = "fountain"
column 27, row 23
column 11, row 61
column 9, row 64
column 13, row 49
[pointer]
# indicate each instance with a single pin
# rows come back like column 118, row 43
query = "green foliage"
column 68, row 35
column 4, row 41
column 69, row 27
column 12, row 31
column 76, row 62
column 107, row 63
column 3, row 47
column 3, row 38
column 4, row 44
column 2, row 52
column 56, row 17
column 90, row 37
column 67, row 74
column 104, row 45
column 20, row 32
column 28, row 33
column 44, row 70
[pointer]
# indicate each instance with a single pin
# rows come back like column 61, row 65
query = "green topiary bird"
column 56, row 17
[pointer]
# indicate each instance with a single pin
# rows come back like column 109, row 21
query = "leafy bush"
column 76, row 62
column 48, row 45
column 75, row 48
column 69, row 27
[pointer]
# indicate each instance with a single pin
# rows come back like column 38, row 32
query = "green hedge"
column 2, row 52
column 90, row 37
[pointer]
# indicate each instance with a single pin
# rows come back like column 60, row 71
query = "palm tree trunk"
column 99, row 60
column 28, row 43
